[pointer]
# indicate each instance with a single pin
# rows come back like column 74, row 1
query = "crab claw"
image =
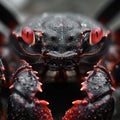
column 99, row 103
column 26, row 85
column 99, row 110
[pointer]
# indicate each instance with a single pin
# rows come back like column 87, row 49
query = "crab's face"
column 63, row 45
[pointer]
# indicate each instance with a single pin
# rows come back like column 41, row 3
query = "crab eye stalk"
column 28, row 35
column 96, row 35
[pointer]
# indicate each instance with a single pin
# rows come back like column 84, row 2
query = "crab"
column 57, row 44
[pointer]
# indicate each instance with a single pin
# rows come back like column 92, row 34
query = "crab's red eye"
column 28, row 35
column 96, row 35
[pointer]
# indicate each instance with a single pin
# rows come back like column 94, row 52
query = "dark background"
column 92, row 8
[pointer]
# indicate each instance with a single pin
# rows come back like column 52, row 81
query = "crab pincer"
column 23, row 105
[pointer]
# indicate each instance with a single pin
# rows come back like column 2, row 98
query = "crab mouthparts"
column 61, row 61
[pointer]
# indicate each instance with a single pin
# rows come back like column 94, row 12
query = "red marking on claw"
column 77, row 102
column 113, row 89
column 30, row 66
column 89, row 72
column 39, row 87
column 43, row 102
column 35, row 72
column 37, row 78
column 2, row 68
column 41, row 111
column 83, row 88
column 11, row 87
column 3, row 78
column 72, row 113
